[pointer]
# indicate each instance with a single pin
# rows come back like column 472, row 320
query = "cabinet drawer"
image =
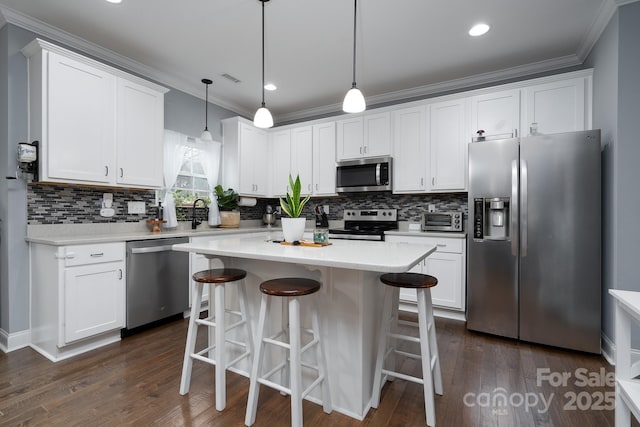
column 443, row 244
column 92, row 254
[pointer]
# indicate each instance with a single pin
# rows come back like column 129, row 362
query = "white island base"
column 349, row 304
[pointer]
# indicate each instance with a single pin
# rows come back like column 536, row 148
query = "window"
column 192, row 181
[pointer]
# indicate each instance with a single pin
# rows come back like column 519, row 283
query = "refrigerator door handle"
column 523, row 208
column 514, row 208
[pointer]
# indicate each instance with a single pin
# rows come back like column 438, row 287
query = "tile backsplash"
column 66, row 204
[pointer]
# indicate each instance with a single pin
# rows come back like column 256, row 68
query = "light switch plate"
column 136, row 207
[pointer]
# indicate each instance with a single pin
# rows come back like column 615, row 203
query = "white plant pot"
column 293, row 229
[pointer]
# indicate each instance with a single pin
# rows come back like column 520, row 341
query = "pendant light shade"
column 263, row 118
column 206, row 135
column 354, row 100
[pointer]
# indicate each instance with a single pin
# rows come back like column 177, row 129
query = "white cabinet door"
column 448, row 145
column 555, row 107
column 280, row 162
column 139, row 124
column 410, row 166
column 496, row 113
column 447, row 268
column 377, row 135
column 81, row 124
column 350, row 138
column 302, row 157
column 253, row 161
column 94, row 300
column 324, row 159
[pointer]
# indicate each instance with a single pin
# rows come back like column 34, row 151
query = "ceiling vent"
column 230, row 77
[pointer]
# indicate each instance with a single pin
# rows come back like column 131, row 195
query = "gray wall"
column 616, row 60
column 604, row 60
column 183, row 113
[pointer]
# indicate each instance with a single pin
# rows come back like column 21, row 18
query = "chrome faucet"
column 194, row 220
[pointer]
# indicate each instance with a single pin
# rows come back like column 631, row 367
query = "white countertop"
column 383, row 257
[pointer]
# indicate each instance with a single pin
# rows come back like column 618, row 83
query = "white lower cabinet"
column 77, row 297
column 447, row 264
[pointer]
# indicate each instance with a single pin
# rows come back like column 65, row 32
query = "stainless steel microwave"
column 370, row 174
column 442, row 221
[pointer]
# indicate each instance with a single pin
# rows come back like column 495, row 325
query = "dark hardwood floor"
column 487, row 382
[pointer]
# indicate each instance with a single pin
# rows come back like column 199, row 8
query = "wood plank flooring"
column 487, row 382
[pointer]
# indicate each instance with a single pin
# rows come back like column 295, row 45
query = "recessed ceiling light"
column 115, row 1
column 478, row 30
column 270, row 86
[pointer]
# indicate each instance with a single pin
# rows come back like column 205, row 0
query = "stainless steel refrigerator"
column 534, row 239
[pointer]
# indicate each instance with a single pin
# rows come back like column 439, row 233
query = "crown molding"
column 607, row 9
column 623, row 2
column 442, row 87
column 55, row 34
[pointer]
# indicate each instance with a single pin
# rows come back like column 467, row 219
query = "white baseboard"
column 17, row 340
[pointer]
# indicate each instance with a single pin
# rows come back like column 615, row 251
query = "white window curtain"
column 211, row 166
column 175, row 145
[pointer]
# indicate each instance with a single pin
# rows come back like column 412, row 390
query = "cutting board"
column 309, row 244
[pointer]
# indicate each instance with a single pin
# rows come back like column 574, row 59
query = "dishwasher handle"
column 151, row 249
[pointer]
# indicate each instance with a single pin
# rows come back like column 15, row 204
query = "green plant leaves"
column 227, row 199
column 293, row 205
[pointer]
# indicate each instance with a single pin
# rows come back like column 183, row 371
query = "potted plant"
column 293, row 227
column 228, row 206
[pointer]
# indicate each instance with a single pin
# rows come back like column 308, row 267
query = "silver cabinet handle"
column 360, row 150
column 515, row 133
column 441, row 245
column 365, row 149
column 514, row 208
column 121, row 172
column 433, row 180
column 378, row 173
column 316, row 187
column 310, row 187
column 151, row 249
column 96, row 254
column 106, row 171
column 421, row 182
column 523, row 207
column 70, row 255
column 119, row 274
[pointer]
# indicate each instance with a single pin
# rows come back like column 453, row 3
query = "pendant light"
column 206, row 135
column 263, row 118
column 354, row 100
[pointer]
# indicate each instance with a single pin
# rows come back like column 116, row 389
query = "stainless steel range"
column 366, row 224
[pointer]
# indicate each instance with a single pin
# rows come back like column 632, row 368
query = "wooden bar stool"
column 431, row 375
column 217, row 277
column 292, row 288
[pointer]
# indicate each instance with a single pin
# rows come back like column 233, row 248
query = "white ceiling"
column 406, row 48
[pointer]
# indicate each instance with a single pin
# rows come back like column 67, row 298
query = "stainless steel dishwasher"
column 157, row 281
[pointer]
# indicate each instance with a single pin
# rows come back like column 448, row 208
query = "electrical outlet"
column 136, row 207
column 326, row 209
column 432, row 207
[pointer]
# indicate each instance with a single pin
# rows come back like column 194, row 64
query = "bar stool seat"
column 217, row 278
column 291, row 288
column 431, row 375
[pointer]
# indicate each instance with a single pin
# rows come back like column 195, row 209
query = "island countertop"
column 350, row 254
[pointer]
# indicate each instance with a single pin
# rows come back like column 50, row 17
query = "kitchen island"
column 350, row 301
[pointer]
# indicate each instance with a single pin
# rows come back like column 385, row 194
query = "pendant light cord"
column 355, row 8
column 206, row 108
column 263, row 52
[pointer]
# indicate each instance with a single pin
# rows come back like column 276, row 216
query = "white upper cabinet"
column 280, row 162
column 448, row 145
column 555, row 107
column 364, row 136
column 410, row 161
column 94, row 123
column 302, row 157
column 496, row 113
column 244, row 157
column 72, row 116
column 324, row 159
column 139, row 127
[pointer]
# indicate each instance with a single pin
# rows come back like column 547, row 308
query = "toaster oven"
column 442, row 221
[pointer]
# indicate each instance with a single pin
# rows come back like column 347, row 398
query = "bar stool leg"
column 244, row 309
column 254, row 386
column 382, row 346
column 322, row 361
column 192, row 333
column 221, row 363
column 427, row 375
column 433, row 344
column 295, row 366
column 285, row 374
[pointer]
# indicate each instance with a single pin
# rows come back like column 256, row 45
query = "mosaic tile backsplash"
column 61, row 204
